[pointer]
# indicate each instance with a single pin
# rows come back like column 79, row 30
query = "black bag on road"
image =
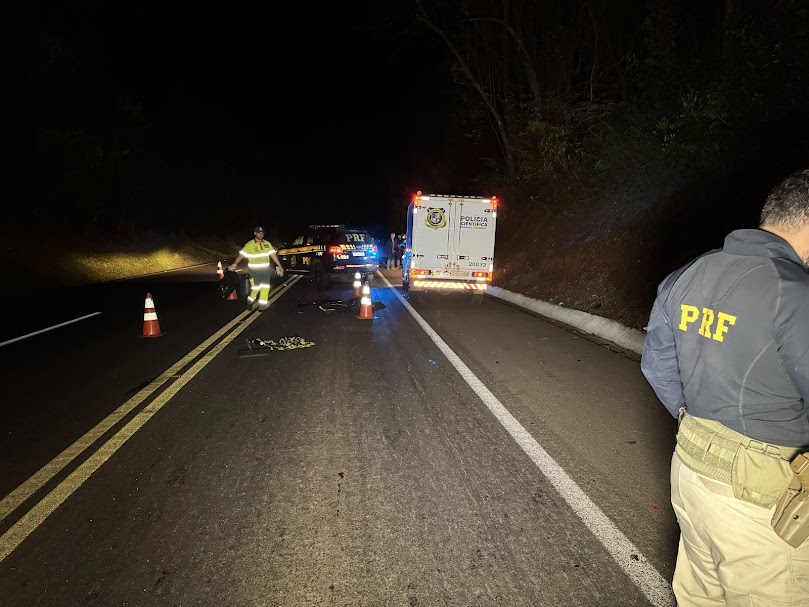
column 228, row 283
column 243, row 286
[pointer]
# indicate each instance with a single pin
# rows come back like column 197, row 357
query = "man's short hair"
column 787, row 205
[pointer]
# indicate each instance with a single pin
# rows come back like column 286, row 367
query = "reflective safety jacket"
column 728, row 338
column 257, row 254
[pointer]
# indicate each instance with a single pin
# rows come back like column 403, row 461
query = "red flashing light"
column 374, row 248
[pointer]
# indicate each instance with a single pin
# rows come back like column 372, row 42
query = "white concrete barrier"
column 611, row 330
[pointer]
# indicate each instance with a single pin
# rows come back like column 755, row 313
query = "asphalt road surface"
column 452, row 452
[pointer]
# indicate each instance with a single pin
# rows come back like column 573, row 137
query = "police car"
column 327, row 252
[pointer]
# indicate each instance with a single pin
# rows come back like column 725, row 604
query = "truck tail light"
column 420, row 272
column 486, row 275
column 335, row 250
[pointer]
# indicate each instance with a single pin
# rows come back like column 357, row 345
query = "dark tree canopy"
column 164, row 116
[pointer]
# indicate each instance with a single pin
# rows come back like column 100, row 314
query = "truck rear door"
column 432, row 236
column 473, row 234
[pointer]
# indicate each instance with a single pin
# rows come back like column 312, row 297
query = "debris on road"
column 339, row 305
column 331, row 305
column 259, row 347
column 285, row 343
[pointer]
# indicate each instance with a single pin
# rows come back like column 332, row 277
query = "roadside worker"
column 727, row 351
column 258, row 252
column 393, row 251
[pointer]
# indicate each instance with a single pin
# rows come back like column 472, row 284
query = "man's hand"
column 279, row 271
column 232, row 267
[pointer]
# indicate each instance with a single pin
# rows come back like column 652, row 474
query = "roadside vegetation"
column 622, row 138
column 92, row 258
column 625, row 139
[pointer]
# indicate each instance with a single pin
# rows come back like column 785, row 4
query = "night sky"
column 337, row 109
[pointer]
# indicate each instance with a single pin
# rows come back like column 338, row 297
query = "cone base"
column 152, row 331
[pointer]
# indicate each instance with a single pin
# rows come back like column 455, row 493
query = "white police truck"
column 450, row 243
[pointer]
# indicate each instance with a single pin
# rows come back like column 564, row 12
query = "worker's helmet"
column 258, row 229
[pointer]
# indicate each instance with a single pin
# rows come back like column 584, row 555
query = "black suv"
column 331, row 251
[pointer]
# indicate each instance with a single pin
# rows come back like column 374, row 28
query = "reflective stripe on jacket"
column 257, row 253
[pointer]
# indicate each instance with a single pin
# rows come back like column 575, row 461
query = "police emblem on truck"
column 435, row 218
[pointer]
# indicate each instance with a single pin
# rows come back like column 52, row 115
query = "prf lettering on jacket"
column 690, row 314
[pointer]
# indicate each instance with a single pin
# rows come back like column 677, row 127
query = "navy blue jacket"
column 728, row 338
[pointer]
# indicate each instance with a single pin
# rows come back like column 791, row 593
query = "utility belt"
column 759, row 473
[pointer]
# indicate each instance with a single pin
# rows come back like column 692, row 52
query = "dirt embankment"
column 604, row 277
column 606, row 255
column 610, row 275
column 64, row 260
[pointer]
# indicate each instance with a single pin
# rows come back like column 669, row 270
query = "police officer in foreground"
column 727, row 351
column 258, row 252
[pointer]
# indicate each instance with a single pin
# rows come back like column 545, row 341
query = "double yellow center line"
column 39, row 512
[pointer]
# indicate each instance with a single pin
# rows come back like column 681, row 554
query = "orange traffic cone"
column 219, row 273
column 151, row 328
column 357, row 286
column 366, row 307
column 234, row 296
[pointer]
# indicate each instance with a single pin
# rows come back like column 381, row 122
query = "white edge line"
column 32, row 519
column 35, row 482
column 69, row 322
column 636, row 566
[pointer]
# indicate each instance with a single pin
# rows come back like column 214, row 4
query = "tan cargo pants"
column 729, row 553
